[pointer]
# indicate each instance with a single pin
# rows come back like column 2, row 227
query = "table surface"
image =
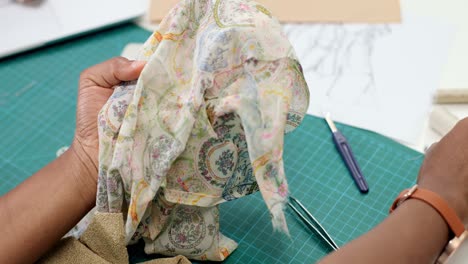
column 37, row 107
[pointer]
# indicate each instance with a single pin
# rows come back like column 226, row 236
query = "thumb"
column 111, row 72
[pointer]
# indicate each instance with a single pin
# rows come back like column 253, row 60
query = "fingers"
column 111, row 72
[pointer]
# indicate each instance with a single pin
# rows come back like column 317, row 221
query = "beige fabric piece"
column 102, row 243
column 72, row 251
column 105, row 236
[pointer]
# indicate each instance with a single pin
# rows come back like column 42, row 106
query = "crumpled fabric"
column 202, row 125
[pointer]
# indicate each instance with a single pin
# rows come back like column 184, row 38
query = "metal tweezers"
column 314, row 225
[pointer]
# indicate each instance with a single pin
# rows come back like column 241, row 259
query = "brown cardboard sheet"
column 347, row 11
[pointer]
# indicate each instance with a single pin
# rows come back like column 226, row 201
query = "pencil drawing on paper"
column 339, row 57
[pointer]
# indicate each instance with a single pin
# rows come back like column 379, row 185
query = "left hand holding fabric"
column 95, row 88
column 39, row 211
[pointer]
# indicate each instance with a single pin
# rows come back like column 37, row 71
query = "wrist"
column 427, row 230
column 455, row 200
column 84, row 172
column 435, row 201
column 425, row 212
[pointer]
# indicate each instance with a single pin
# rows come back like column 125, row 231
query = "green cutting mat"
column 37, row 107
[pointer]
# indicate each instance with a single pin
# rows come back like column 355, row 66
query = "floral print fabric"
column 203, row 124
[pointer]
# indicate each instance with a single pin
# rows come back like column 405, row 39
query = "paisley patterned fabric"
column 203, row 124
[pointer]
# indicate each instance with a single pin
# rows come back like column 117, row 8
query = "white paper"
column 25, row 26
column 20, row 25
column 451, row 12
column 377, row 77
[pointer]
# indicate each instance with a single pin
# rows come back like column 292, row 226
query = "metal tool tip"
column 330, row 122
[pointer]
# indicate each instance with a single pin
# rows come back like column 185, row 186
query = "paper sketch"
column 338, row 50
column 375, row 76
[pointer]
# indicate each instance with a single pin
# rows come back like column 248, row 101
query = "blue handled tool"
column 346, row 153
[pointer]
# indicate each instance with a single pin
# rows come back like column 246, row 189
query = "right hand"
column 445, row 169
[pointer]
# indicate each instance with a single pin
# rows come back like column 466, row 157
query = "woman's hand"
column 95, row 87
column 445, row 169
column 38, row 212
column 416, row 232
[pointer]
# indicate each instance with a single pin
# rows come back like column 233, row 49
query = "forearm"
column 37, row 213
column 414, row 233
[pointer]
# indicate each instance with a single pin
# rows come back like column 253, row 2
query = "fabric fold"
column 203, row 124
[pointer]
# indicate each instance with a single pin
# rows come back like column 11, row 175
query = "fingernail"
column 138, row 64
